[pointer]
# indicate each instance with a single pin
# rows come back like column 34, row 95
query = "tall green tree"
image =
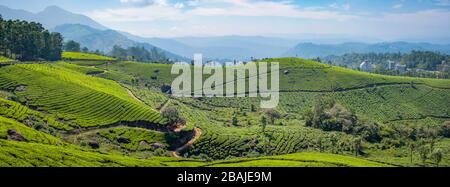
column 263, row 123
column 72, row 46
column 28, row 41
column 436, row 156
column 56, row 46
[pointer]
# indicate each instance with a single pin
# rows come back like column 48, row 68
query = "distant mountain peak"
column 50, row 17
column 54, row 8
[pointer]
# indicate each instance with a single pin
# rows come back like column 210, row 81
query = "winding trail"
column 164, row 105
column 131, row 94
column 179, row 127
column 197, row 134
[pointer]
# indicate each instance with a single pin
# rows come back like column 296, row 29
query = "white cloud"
column 259, row 17
column 345, row 6
column 150, row 12
column 161, row 9
column 144, row 2
column 426, row 23
column 179, row 5
column 443, row 2
column 397, row 6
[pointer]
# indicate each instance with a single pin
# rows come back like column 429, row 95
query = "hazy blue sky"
column 382, row 19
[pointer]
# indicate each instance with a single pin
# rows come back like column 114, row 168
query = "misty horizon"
column 318, row 22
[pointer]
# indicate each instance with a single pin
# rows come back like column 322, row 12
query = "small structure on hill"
column 391, row 65
column 365, row 66
column 400, row 68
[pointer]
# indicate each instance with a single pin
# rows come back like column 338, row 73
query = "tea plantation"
column 99, row 112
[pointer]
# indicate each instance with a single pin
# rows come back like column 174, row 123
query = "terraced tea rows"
column 4, row 60
column 73, row 97
column 16, row 111
column 40, row 155
column 370, row 96
column 64, row 94
column 300, row 160
column 85, row 56
column 33, row 154
column 30, row 135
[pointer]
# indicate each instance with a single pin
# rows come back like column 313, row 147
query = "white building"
column 400, row 68
column 365, row 66
column 391, row 65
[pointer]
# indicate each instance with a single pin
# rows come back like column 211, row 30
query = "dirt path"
column 197, row 134
column 131, row 94
column 164, row 105
column 179, row 128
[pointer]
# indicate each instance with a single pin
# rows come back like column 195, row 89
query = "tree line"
column 139, row 54
column 73, row 46
column 28, row 41
column 328, row 115
column 426, row 60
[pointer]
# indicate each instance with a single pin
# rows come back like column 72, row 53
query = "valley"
column 66, row 109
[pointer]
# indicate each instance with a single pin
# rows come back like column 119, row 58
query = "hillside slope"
column 74, row 97
column 114, row 108
column 388, row 101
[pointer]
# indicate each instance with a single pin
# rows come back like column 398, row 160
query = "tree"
column 85, row 50
column 436, row 156
column 252, row 108
column 138, row 53
column 72, row 46
column 2, row 35
column 424, row 150
column 445, row 129
column 119, row 52
column 26, row 41
column 412, row 147
column 171, row 114
column 56, row 46
column 234, row 120
column 263, row 123
column 357, row 145
column 272, row 115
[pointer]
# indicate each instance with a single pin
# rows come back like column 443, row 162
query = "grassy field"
column 4, row 60
column 85, row 57
column 116, row 106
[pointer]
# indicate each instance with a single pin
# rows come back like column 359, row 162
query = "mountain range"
column 95, row 36
column 50, row 17
column 224, row 47
column 104, row 40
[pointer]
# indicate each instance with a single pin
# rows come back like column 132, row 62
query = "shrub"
column 171, row 114
column 445, row 129
column 272, row 115
column 436, row 156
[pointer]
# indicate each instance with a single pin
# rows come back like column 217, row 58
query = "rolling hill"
column 83, row 113
column 104, row 40
column 57, row 88
column 78, row 56
column 378, row 98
